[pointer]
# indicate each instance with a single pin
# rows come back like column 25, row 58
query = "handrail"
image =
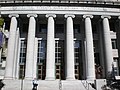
column 86, row 84
column 60, row 85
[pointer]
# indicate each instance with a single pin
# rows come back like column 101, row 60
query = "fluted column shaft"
column 107, row 44
column 11, row 47
column 50, row 60
column 70, row 73
column 90, row 68
column 30, row 46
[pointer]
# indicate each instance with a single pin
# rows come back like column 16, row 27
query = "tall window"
column 59, row 28
column 112, row 26
column 43, row 28
column 22, row 59
column 78, row 59
column 116, row 66
column 59, row 59
column 94, row 28
column 25, row 27
column 114, row 43
column 76, row 28
column 41, row 59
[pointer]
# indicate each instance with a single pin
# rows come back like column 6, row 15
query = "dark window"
column 94, row 28
column 7, row 25
column 114, row 43
column 76, row 28
column 59, row 28
column 22, row 59
column 43, row 28
column 41, row 51
column 112, row 26
column 97, row 58
column 25, row 28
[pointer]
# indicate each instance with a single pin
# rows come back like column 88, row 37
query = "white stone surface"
column 11, row 49
column 50, row 58
column 16, row 54
column 12, row 85
column 30, row 48
column 47, row 85
column 107, row 45
column 60, row 10
column 76, row 85
column 100, row 83
column 90, row 64
column 35, row 59
column 69, row 48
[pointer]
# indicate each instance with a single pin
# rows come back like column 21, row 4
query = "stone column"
column 35, row 58
column 11, row 47
column 30, row 46
column 90, row 68
column 16, row 54
column 107, row 44
column 70, row 73
column 50, row 60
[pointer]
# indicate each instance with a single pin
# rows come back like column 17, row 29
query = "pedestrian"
column 35, row 84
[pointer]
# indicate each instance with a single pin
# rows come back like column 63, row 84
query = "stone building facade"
column 59, row 42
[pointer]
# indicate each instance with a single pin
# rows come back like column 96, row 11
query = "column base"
column 29, row 78
column 50, row 78
column 90, row 78
column 70, row 78
column 8, row 78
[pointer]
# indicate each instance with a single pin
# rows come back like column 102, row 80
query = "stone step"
column 75, row 85
column 47, row 85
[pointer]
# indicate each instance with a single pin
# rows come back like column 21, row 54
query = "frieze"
column 62, row 9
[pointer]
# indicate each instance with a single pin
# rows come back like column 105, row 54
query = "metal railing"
column 86, row 84
column 60, row 85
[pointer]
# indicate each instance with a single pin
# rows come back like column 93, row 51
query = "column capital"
column 50, row 15
column 118, row 17
column 105, row 16
column 69, row 15
column 87, row 16
column 32, row 15
column 13, row 15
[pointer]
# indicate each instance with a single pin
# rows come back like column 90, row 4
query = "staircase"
column 76, row 85
column 47, row 85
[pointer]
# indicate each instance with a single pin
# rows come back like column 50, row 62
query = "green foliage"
column 1, row 22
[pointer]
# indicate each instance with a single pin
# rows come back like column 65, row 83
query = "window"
column 59, row 52
column 22, row 59
column 41, row 51
column 114, row 43
column 112, row 26
column 94, row 28
column 25, row 27
column 41, row 59
column 23, row 52
column 59, row 28
column 59, row 59
column 43, row 28
column 77, row 51
column 21, row 71
column 96, row 45
column 97, row 58
column 77, row 55
column 76, row 28
column 7, row 25
column 115, row 66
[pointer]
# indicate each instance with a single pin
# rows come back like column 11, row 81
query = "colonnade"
column 50, row 58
